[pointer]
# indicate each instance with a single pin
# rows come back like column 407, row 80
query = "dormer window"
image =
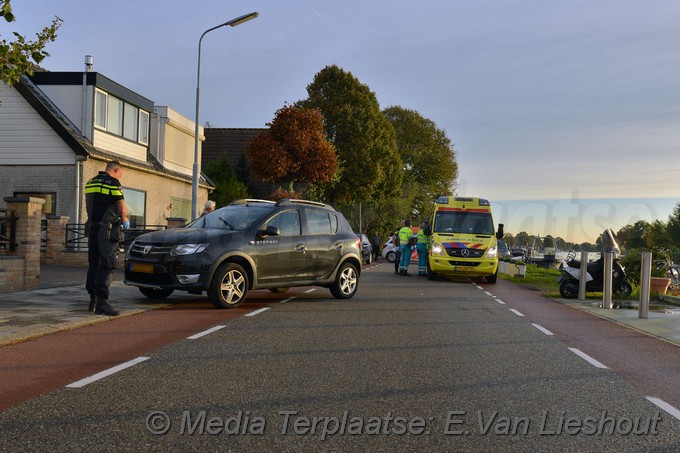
column 118, row 117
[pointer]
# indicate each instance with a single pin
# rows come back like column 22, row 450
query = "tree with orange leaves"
column 293, row 150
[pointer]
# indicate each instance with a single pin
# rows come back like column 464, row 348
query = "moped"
column 571, row 269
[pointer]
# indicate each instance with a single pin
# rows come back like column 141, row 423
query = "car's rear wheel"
column 156, row 293
column 391, row 256
column 346, row 282
column 229, row 286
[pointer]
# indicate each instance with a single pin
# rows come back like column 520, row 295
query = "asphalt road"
column 407, row 365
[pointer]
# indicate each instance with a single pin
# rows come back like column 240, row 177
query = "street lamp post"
column 194, row 179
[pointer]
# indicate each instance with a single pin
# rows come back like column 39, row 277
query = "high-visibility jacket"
column 404, row 234
column 422, row 238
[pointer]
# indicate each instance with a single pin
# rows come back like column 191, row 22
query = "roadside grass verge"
column 545, row 281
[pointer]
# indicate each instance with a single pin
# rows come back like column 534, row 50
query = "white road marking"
column 286, row 300
column 257, row 312
column 500, row 301
column 489, row 294
column 542, row 329
column 665, row 406
column 311, row 290
column 105, row 373
column 587, row 358
column 205, row 332
column 479, row 287
column 516, row 312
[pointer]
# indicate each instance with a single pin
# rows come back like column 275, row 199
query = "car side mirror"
column 269, row 231
column 500, row 233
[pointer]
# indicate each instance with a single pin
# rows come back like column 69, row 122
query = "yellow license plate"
column 143, row 268
column 463, row 268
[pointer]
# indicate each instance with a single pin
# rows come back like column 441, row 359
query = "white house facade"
column 58, row 129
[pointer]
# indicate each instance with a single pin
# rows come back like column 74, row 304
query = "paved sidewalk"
column 61, row 304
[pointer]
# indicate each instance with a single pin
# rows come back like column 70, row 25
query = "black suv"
column 249, row 244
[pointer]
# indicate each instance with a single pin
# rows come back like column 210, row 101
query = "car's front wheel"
column 391, row 257
column 156, row 293
column 229, row 286
column 346, row 282
column 369, row 258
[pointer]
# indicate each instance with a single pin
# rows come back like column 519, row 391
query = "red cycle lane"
column 52, row 361
column 649, row 363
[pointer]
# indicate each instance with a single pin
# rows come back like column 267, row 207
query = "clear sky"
column 545, row 101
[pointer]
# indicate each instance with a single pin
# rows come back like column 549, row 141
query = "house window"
column 120, row 118
column 135, row 200
column 130, row 119
column 100, row 109
column 114, row 115
column 143, row 127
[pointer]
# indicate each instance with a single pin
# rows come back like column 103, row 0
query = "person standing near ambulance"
column 106, row 215
column 421, row 247
column 404, row 234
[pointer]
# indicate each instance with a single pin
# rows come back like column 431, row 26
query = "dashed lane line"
column 542, row 329
column 257, row 312
column 587, row 358
column 105, row 373
column 205, row 332
column 665, row 406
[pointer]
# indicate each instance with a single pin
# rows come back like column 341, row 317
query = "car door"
column 281, row 258
column 324, row 246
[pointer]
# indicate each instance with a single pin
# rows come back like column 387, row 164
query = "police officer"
column 106, row 216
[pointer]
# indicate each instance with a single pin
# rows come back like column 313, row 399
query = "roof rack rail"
column 250, row 200
column 287, row 201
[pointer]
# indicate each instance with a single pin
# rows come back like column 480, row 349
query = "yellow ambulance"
column 463, row 240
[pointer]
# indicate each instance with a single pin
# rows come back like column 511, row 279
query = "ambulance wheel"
column 430, row 275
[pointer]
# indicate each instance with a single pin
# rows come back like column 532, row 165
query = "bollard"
column 645, row 274
column 607, row 283
column 582, row 276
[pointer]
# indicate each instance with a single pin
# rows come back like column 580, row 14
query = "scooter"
column 571, row 269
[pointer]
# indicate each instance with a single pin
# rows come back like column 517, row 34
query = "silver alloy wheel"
column 348, row 280
column 233, row 287
column 229, row 286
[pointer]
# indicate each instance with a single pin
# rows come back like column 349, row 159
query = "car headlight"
column 492, row 252
column 187, row 249
column 437, row 249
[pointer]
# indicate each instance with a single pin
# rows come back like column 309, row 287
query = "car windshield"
column 233, row 218
column 463, row 222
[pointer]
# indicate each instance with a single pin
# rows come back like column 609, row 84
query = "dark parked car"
column 250, row 244
column 366, row 249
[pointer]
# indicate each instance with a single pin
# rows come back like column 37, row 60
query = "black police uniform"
column 102, row 194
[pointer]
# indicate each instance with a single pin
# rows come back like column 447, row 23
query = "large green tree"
column 430, row 167
column 369, row 164
column 17, row 57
